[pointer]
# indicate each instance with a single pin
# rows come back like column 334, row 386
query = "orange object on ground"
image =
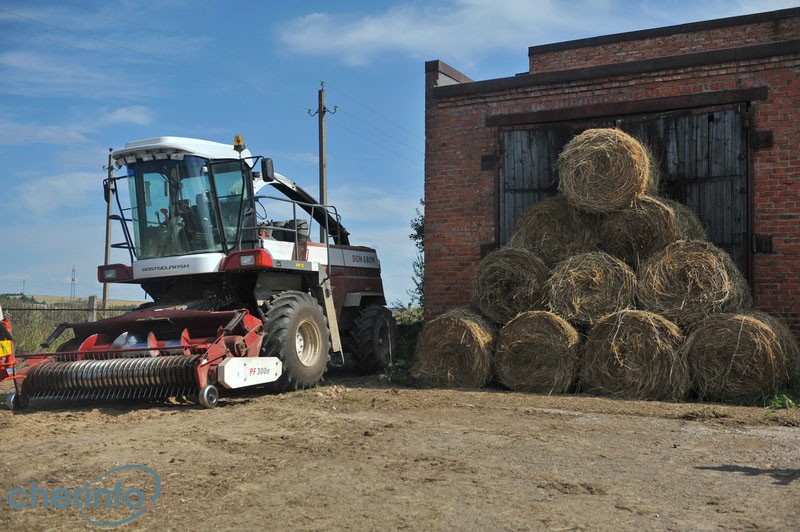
column 7, row 360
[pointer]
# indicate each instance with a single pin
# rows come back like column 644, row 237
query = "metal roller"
column 121, row 377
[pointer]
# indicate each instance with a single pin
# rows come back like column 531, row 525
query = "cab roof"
column 178, row 145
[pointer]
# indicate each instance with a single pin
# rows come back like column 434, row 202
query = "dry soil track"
column 361, row 454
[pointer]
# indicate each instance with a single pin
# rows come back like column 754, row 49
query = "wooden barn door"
column 703, row 161
column 529, row 171
column 702, row 158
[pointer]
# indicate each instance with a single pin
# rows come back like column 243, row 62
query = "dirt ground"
column 364, row 454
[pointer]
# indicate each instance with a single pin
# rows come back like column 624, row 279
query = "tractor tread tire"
column 284, row 314
column 374, row 339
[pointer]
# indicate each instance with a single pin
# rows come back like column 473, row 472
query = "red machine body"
column 239, row 299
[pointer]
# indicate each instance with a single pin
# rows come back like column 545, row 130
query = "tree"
column 418, row 236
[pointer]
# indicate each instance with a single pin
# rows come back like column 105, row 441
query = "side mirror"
column 267, row 171
column 106, row 190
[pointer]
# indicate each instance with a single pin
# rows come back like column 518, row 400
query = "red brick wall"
column 662, row 46
column 462, row 208
column 461, row 199
column 776, row 190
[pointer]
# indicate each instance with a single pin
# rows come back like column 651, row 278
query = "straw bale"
column 603, row 170
column 634, row 354
column 537, row 352
column 509, row 281
column 690, row 280
column 586, row 287
column 634, row 233
column 740, row 356
column 690, row 227
column 554, row 231
column 456, row 349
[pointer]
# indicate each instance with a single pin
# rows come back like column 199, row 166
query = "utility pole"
column 323, row 146
column 110, row 169
column 72, row 286
column 323, row 153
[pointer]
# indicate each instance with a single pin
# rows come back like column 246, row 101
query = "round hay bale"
column 634, row 233
column 537, row 352
column 456, row 349
column 690, row 280
column 740, row 356
column 689, row 225
column 554, row 231
column 634, row 354
column 586, row 287
column 603, row 170
column 509, row 281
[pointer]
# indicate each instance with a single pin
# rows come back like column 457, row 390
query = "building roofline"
column 698, row 59
column 768, row 16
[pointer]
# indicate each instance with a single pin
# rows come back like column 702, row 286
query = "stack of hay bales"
column 610, row 289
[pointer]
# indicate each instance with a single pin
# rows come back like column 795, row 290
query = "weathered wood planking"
column 701, row 157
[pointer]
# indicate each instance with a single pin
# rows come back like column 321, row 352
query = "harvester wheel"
column 16, row 401
column 296, row 331
column 208, row 396
column 374, row 339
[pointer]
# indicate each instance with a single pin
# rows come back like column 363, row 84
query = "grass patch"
column 409, row 326
column 32, row 322
column 781, row 401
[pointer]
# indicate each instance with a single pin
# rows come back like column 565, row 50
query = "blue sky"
column 77, row 78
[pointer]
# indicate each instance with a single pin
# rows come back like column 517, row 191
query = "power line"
column 376, row 113
column 382, row 132
column 215, row 73
column 416, row 163
column 149, row 28
column 216, row 49
column 227, row 89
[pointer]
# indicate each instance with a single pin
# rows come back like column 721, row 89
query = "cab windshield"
column 176, row 209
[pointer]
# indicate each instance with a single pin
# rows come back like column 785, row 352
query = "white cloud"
column 32, row 73
column 710, row 9
column 61, row 50
column 396, row 253
column 380, row 218
column 57, row 192
column 135, row 114
column 302, row 157
column 16, row 133
column 49, row 247
column 462, row 28
column 470, row 30
column 372, row 205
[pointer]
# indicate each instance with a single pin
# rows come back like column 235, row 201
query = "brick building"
column 718, row 103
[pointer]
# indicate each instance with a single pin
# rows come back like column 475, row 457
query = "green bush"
column 409, row 325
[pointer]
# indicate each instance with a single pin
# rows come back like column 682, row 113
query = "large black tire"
column 374, row 339
column 296, row 331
